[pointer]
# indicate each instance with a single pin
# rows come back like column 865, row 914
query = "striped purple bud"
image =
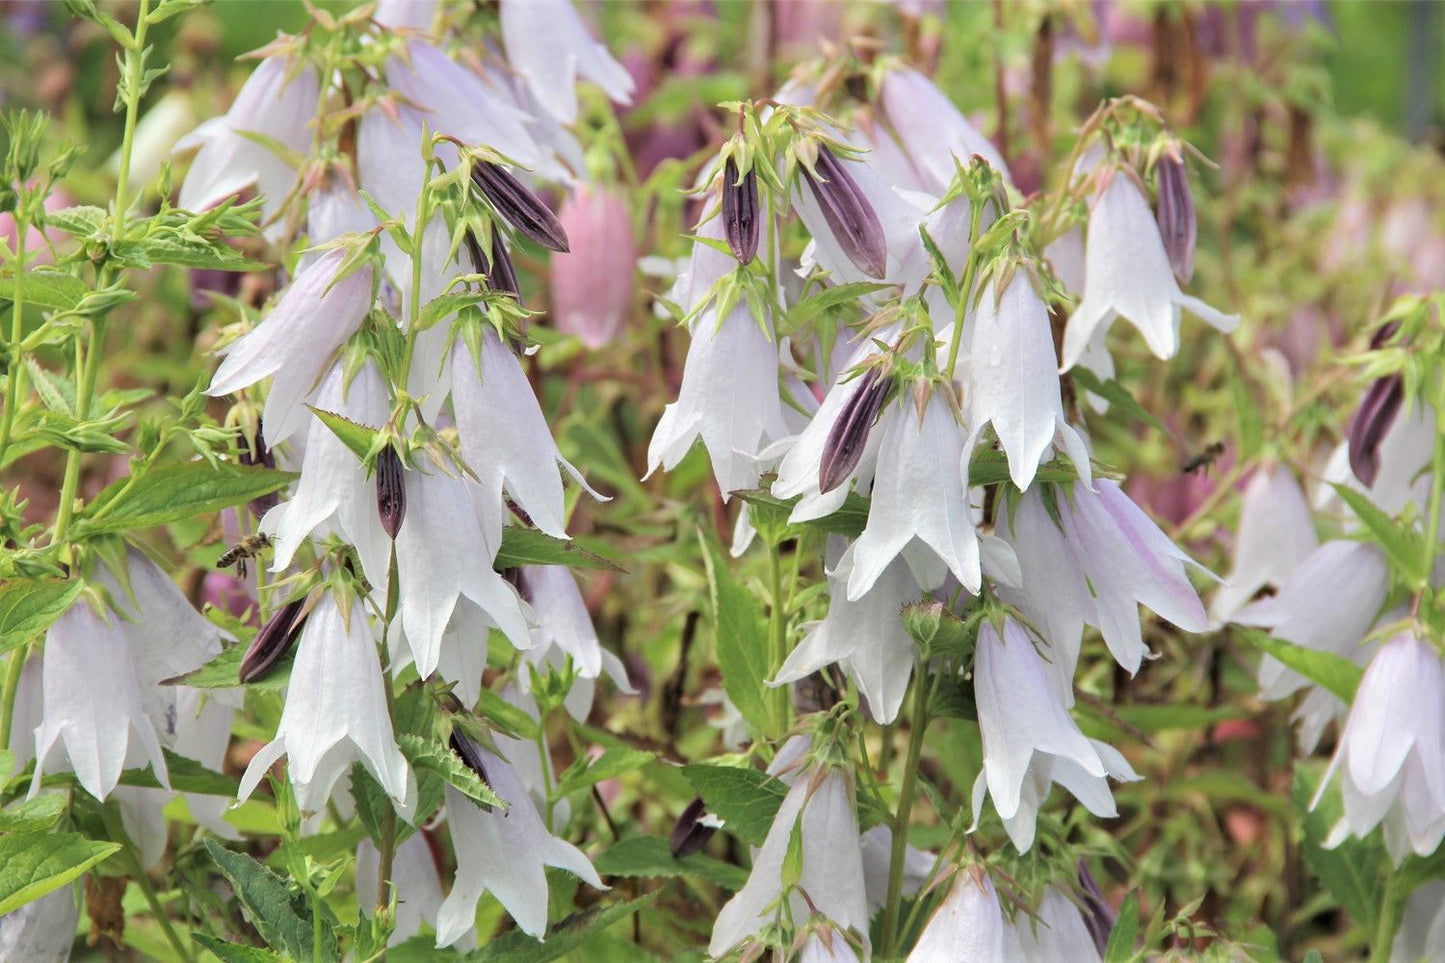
column 518, row 206
column 1178, row 227
column 1099, row 914
column 740, row 211
column 260, row 455
column 470, row 754
column 850, row 216
column 497, row 269
column 390, row 491
column 694, row 828
column 273, row 642
column 849, row 434
column 1382, row 402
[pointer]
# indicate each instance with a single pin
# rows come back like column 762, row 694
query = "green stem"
column 386, row 852
column 922, row 694
column 135, row 73
column 965, row 288
column 89, row 368
column 778, row 641
column 1392, row 909
column 116, row 831
column 17, row 333
column 13, row 670
column 1437, row 491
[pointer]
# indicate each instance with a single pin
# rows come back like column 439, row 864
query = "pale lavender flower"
column 297, row 340
column 877, row 847
column 41, row 931
column 548, row 44
column 1391, row 753
column 968, row 925
column 270, row 103
column 503, row 852
column 593, row 285
column 1399, row 460
column 1275, row 535
column 826, row 945
column 1029, row 739
column 1057, row 933
column 336, row 714
column 565, row 631
column 1421, row 936
column 417, row 883
column 935, row 135
column 832, row 871
column 1127, row 274
column 405, row 14
column 1013, row 382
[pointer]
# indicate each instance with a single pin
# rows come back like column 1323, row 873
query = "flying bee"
column 1202, row 461
column 248, row 547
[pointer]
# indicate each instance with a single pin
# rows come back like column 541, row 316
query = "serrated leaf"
column 28, row 608
column 1402, row 547
column 740, row 635
column 223, row 672
column 564, row 938
column 80, row 221
column 185, row 775
column 216, row 255
column 1350, row 871
column 525, row 546
column 1125, row 936
column 235, row 952
column 1332, row 672
column 33, row 864
column 282, row 916
column 511, row 719
column 611, row 764
column 360, row 439
column 45, row 287
column 651, row 856
column 745, row 799
column 438, row 757
column 176, row 492
column 32, row 815
column 848, row 520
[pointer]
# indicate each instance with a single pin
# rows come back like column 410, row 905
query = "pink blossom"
column 592, row 286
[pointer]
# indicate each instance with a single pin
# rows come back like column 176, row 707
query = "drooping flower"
column 1029, row 739
column 1057, row 932
column 503, row 852
column 1275, row 535
column 1421, row 935
column 592, row 286
column 297, row 340
column 336, row 714
column 968, row 925
column 919, row 505
column 1391, row 753
column 1128, row 275
column 43, row 930
column 548, row 45
column 821, row 803
column 565, row 631
column 417, row 883
column 934, row 134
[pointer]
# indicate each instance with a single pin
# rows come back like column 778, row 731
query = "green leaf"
column 80, row 221
column 651, row 856
column 185, row 775
column 223, row 672
column 196, row 253
column 740, row 634
column 282, row 916
column 1350, row 871
column 511, row 719
column 745, row 799
column 849, row 520
column 28, row 608
column 611, row 764
column 1403, row 547
column 439, row 758
column 33, row 864
column 1334, row 673
column 525, row 546
column 235, row 952
column 564, row 938
column 45, row 287
column 1125, row 936
column 1116, row 394
column 32, row 815
column 176, row 492
column 359, row 438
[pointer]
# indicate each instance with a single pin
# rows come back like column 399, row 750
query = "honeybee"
column 248, row 547
column 1202, row 461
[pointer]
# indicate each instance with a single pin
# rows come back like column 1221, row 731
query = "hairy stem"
column 778, row 640
column 17, row 333
column 922, row 696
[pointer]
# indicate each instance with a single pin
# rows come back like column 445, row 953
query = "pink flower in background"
column 593, row 285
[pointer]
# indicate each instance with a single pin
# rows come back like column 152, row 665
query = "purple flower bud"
column 849, row 434
column 470, row 754
column 260, row 455
column 1372, row 422
column 1098, row 913
column 593, row 286
column 390, row 491
column 273, row 642
column 694, row 828
column 498, row 270
column 740, row 211
column 849, row 215
column 1178, row 227
column 518, row 206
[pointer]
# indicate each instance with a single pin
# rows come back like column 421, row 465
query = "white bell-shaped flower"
column 43, row 930
column 548, row 44
column 1276, row 533
column 935, row 135
column 564, row 630
column 1128, row 275
column 1057, row 932
column 968, row 925
column 417, row 883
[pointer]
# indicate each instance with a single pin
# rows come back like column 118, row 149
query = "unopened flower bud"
column 740, row 211
column 273, row 642
column 593, row 286
column 469, row 754
column 1376, row 414
column 390, row 491
column 1178, row 227
column 849, row 214
column 694, row 828
column 497, row 269
column 259, row 454
column 849, row 434
column 518, row 206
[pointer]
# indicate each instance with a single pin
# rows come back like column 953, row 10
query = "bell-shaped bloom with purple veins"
column 296, row 341
column 821, row 804
column 935, row 136
column 1391, row 753
column 548, row 44
column 919, row 506
column 1057, row 932
column 1029, row 739
column 505, row 439
column 1127, row 274
column 866, row 637
column 593, row 284
column 1275, row 535
column 968, row 925
column 564, row 630
column 335, row 714
column 271, row 103
column 43, row 930
column 95, row 720
column 1013, row 381
column 503, row 852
